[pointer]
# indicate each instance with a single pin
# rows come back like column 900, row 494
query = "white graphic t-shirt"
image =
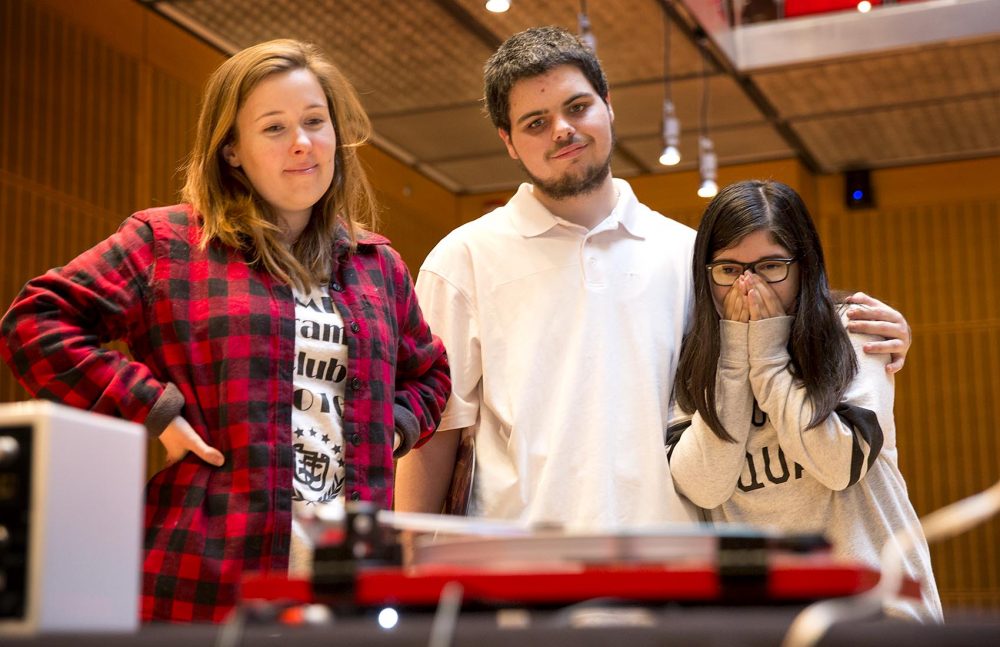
column 320, row 372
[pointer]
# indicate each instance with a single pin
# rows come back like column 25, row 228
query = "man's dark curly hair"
column 531, row 53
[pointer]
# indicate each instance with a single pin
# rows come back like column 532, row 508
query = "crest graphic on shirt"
column 311, row 468
column 336, row 488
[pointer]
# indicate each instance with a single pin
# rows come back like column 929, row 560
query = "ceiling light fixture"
column 671, row 154
column 497, row 6
column 708, row 163
column 708, row 166
column 586, row 34
column 864, row 6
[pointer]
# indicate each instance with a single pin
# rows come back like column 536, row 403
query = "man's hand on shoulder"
column 870, row 316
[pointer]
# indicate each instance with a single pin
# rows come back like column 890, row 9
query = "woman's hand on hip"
column 179, row 438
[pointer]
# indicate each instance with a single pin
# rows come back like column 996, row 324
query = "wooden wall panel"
column 933, row 261
column 416, row 212
column 174, row 113
column 67, row 162
column 71, row 121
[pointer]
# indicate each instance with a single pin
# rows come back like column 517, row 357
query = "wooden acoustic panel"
column 932, row 262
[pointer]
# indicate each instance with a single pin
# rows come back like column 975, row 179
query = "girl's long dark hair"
column 822, row 357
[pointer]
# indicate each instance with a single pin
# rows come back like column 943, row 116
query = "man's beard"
column 571, row 185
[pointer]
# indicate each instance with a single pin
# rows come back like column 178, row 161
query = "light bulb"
column 670, row 156
column 864, row 6
column 497, row 6
column 671, row 135
column 707, row 166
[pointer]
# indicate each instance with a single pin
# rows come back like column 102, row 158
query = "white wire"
column 813, row 622
column 446, row 616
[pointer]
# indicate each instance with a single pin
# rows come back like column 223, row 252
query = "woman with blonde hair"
column 277, row 348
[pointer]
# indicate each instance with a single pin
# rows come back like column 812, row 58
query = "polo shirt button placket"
column 591, row 274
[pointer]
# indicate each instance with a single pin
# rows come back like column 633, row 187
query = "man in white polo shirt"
column 562, row 313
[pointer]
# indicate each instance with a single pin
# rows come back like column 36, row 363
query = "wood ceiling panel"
column 639, row 108
column 912, row 76
column 483, row 174
column 629, row 33
column 418, row 68
column 733, row 145
column 399, row 55
column 904, row 135
column 622, row 166
column 442, row 134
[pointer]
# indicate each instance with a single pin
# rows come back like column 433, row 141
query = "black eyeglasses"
column 772, row 270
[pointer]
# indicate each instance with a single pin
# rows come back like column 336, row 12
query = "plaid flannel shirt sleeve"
column 52, row 334
column 423, row 383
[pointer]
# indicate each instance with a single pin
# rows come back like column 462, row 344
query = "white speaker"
column 71, row 497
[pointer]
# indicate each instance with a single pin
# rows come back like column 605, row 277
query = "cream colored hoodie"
column 840, row 478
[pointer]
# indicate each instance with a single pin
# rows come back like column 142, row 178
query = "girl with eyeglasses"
column 792, row 424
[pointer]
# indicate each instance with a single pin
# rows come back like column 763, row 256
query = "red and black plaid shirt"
column 223, row 333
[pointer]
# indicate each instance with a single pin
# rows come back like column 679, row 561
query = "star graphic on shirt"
column 326, row 438
column 336, row 449
column 298, row 433
column 340, row 462
column 312, row 432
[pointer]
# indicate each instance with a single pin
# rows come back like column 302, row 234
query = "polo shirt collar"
column 530, row 218
column 527, row 214
column 627, row 209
